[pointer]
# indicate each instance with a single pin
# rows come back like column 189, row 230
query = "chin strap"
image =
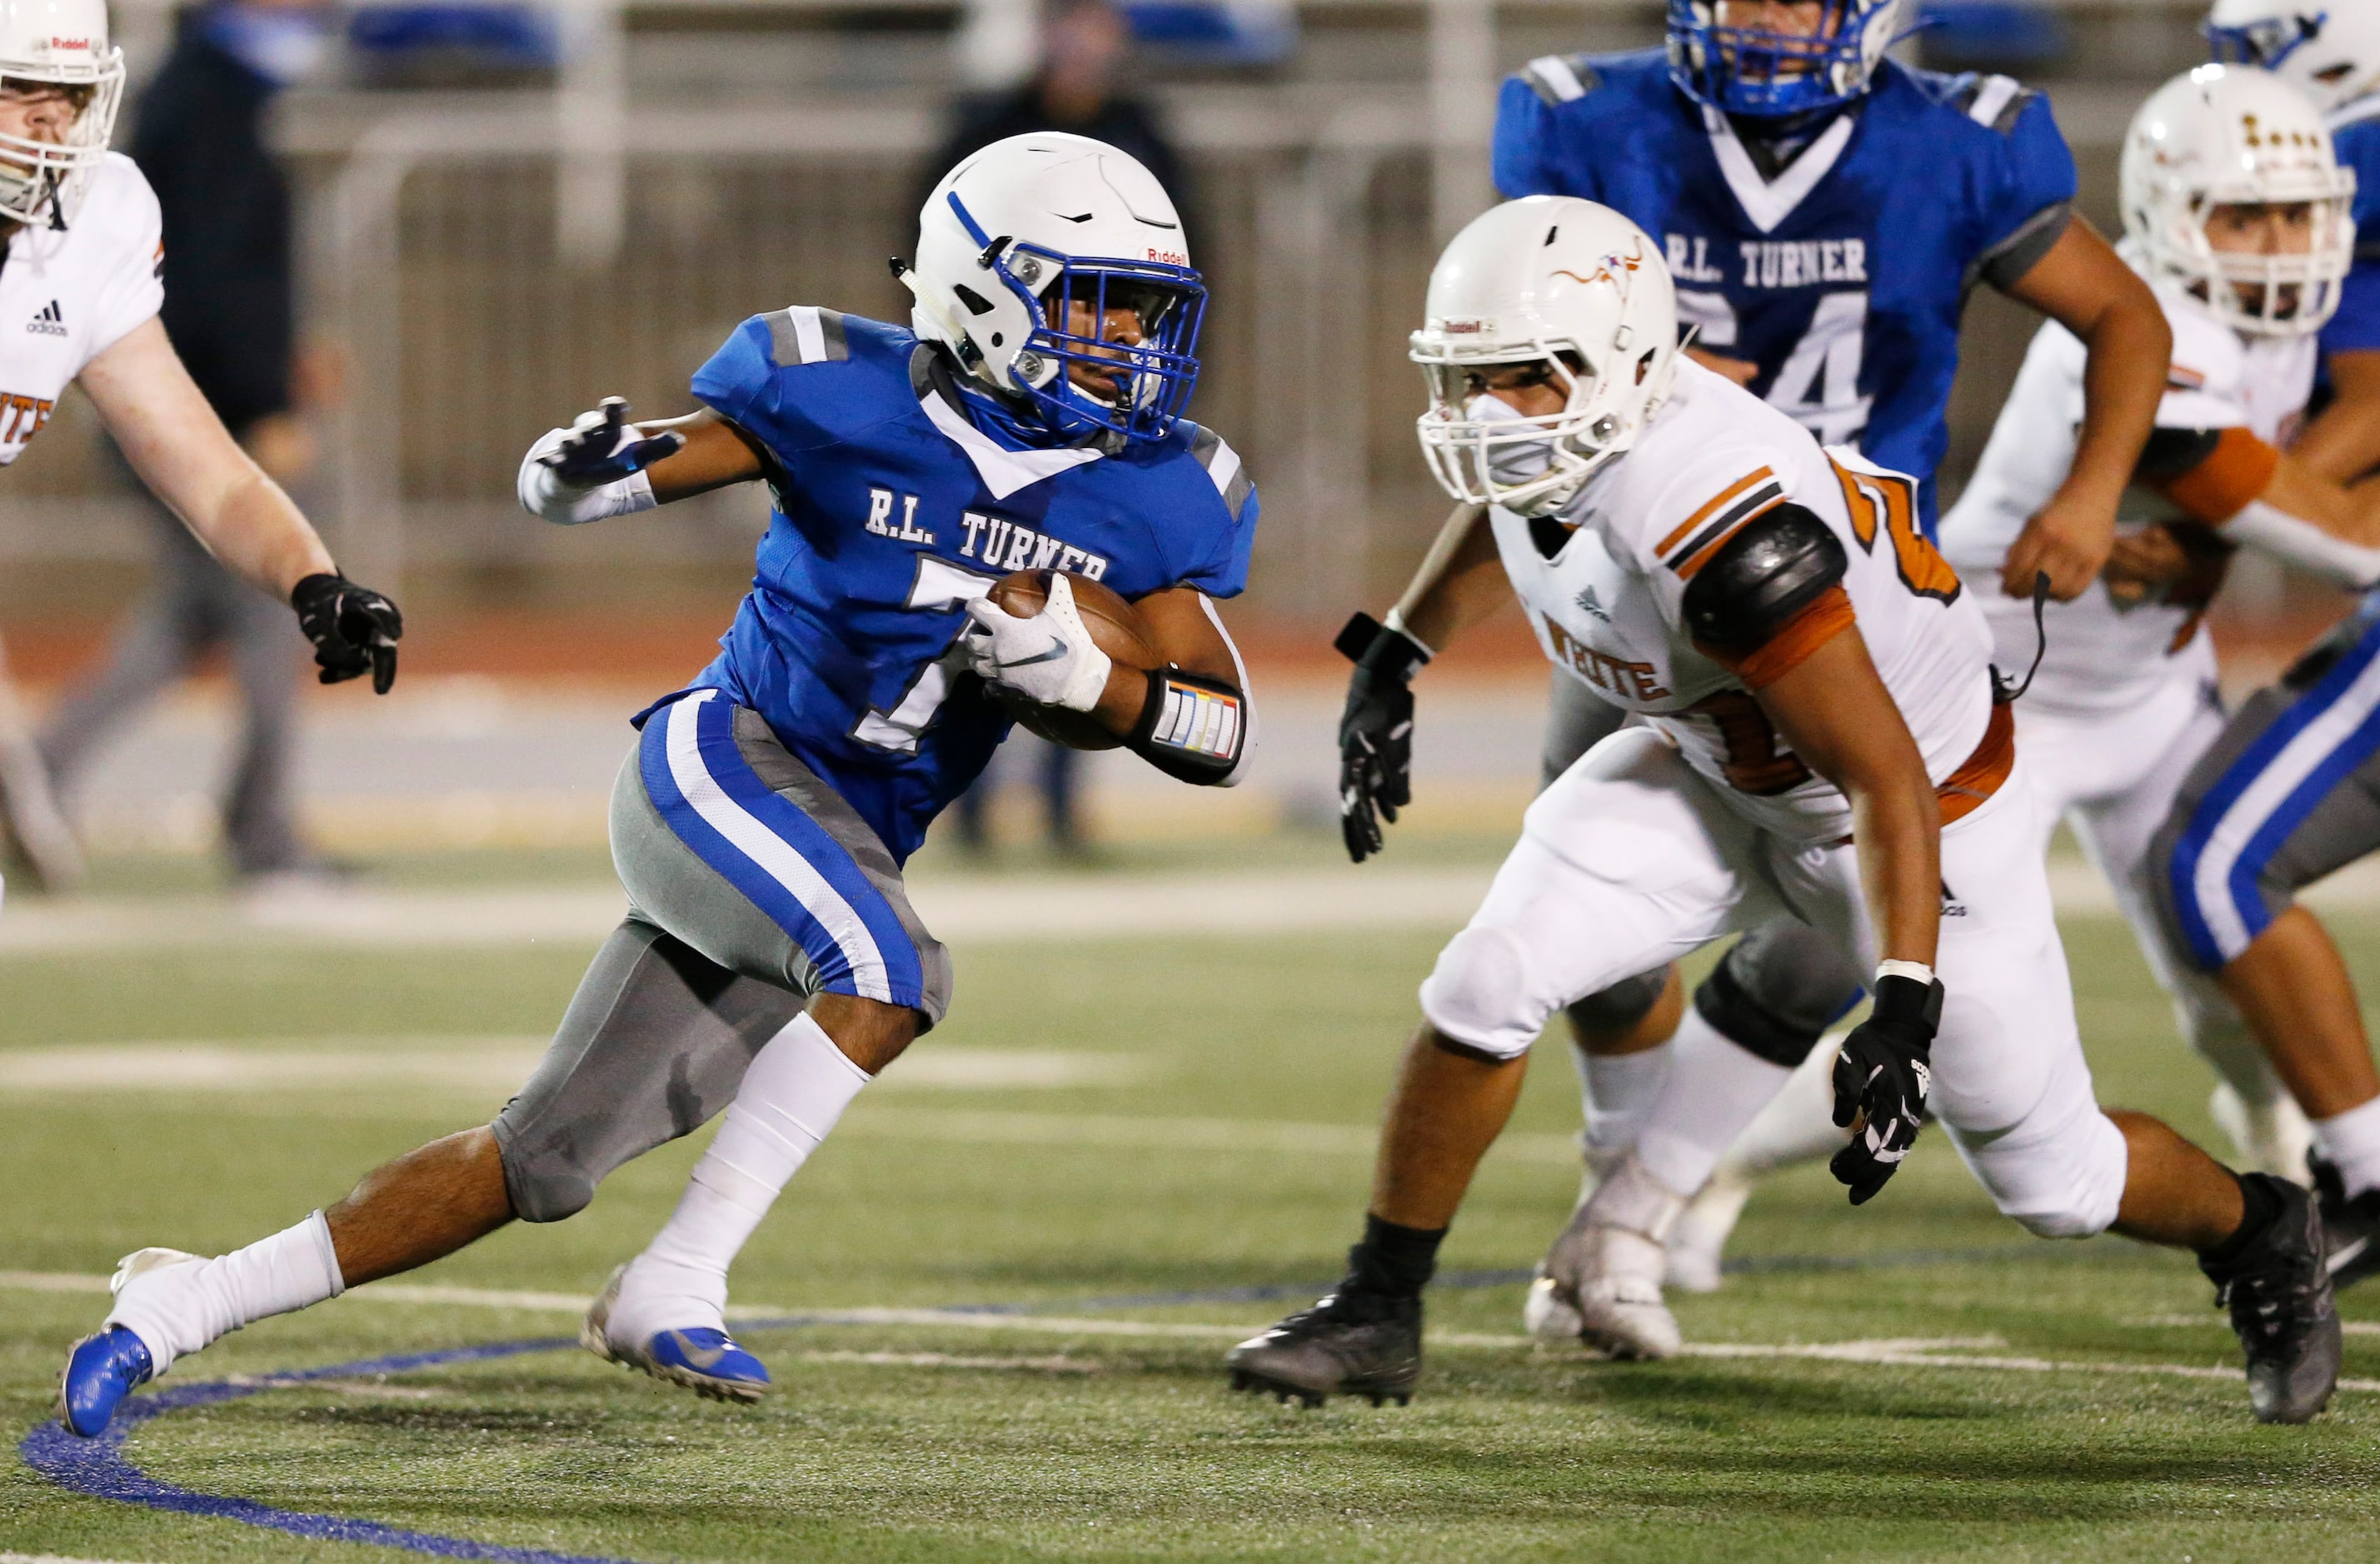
column 2004, row 693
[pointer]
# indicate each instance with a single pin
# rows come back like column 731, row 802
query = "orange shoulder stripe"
column 1686, row 528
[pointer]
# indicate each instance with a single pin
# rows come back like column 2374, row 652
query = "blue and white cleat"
column 101, row 1371
column 705, row 1361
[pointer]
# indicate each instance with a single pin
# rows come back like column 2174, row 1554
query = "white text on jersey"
column 1012, row 545
column 879, row 517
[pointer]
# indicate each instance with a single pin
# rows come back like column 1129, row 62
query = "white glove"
column 1049, row 658
column 593, row 470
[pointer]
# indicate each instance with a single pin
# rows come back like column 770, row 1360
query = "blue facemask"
column 283, row 45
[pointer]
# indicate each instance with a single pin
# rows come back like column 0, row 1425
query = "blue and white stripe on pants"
column 2219, row 866
column 782, row 860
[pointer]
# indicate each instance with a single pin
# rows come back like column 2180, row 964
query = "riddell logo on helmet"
column 1169, row 256
column 1467, row 328
column 82, row 43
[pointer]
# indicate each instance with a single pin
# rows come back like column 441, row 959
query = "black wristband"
column 1382, row 653
column 1905, row 999
column 312, row 588
column 1392, row 656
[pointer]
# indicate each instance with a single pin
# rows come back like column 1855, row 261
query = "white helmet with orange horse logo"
column 1553, row 280
column 57, row 45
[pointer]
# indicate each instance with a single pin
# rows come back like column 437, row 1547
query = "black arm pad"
column 1776, row 564
column 1191, row 727
column 2176, row 452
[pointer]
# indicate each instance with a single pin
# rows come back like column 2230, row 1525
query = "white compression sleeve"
column 1620, row 1089
column 1716, row 1088
column 797, row 1087
column 179, row 1308
column 2302, row 543
column 1797, row 1126
column 544, row 494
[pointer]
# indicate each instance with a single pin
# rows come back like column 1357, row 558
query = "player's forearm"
column 2344, row 442
column 1832, row 708
column 1460, row 581
column 1897, row 827
column 2131, row 348
column 188, row 460
column 259, row 533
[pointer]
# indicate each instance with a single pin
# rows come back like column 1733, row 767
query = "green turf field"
column 1160, row 1151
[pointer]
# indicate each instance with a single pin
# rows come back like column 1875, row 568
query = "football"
column 1116, row 628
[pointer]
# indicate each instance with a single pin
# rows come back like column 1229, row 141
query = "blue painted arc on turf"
column 98, row 1467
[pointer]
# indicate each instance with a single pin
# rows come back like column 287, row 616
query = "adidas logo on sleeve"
column 51, row 322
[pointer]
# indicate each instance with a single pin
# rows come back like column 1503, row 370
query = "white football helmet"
column 1025, row 228
column 60, row 44
column 2329, row 49
column 2234, row 135
column 1552, row 280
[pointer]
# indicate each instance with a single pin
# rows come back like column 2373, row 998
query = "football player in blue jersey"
column 770, row 964
column 2332, row 53
column 1826, row 212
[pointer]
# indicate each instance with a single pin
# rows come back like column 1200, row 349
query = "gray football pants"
column 1777, row 989
column 691, row 985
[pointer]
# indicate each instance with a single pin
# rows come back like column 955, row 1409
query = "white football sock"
column 2352, row 1142
column 178, row 1308
column 798, row 1085
column 1797, row 1126
column 1715, row 1088
column 1618, row 1091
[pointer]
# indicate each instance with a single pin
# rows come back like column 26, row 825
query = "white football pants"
column 2113, row 778
column 1633, row 859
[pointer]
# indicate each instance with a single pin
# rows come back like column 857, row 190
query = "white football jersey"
column 66, row 298
column 1607, row 603
column 2102, row 657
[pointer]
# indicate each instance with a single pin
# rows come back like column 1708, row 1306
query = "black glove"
column 354, row 629
column 1376, row 732
column 1881, row 1079
column 586, row 458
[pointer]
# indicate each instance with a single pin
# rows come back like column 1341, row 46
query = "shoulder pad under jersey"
column 1223, row 463
column 1560, row 78
column 804, row 334
column 1994, row 102
column 1774, row 567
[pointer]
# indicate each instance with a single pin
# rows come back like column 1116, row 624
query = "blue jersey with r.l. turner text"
column 899, row 496
column 1843, row 278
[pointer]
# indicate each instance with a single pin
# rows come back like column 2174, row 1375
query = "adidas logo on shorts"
column 51, row 322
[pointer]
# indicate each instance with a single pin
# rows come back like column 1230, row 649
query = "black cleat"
column 2279, row 1295
column 2352, row 1226
column 1354, row 1343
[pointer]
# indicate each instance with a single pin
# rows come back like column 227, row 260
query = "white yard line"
column 476, row 1065
column 1942, row 1352
column 53, row 1558
column 966, row 909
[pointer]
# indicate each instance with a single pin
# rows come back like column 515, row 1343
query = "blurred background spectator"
column 1078, row 87
column 230, row 310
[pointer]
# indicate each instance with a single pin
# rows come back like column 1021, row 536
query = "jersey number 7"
column 939, row 588
column 1886, row 501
